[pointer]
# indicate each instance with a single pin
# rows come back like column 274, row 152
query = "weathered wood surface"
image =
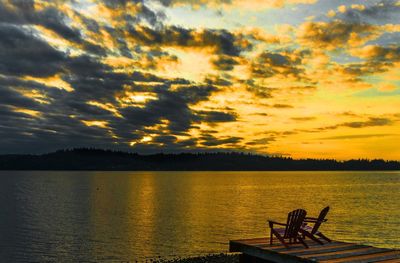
column 334, row 252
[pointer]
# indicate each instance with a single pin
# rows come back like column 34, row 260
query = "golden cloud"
column 336, row 34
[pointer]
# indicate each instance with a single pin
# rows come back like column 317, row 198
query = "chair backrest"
column 320, row 219
column 294, row 221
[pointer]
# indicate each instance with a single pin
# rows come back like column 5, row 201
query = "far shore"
column 107, row 160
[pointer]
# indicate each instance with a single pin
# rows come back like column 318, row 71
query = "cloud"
column 225, row 63
column 282, row 106
column 67, row 119
column 262, row 141
column 210, row 140
column 356, row 136
column 217, row 116
column 129, row 12
column 286, row 63
column 377, row 59
column 122, row 74
column 371, row 122
column 303, row 118
column 387, row 10
column 221, row 41
column 375, row 53
column 240, row 4
column 21, row 53
column 25, row 13
column 336, row 34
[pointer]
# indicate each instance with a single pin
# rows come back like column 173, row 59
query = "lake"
column 82, row 216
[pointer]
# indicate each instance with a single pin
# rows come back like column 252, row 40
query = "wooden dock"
column 259, row 250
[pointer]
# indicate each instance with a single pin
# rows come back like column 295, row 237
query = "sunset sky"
column 298, row 78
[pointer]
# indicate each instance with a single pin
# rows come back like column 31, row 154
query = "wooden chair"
column 290, row 232
column 312, row 231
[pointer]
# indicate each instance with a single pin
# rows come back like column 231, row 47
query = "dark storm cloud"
column 10, row 97
column 222, row 41
column 91, row 81
column 262, row 141
column 224, row 62
column 170, row 105
column 24, row 13
column 210, row 140
column 144, row 13
column 282, row 63
column 115, row 33
column 21, row 53
column 258, row 90
column 173, row 106
column 217, row 116
column 37, row 117
column 195, row 93
column 217, row 80
column 165, row 139
column 152, row 17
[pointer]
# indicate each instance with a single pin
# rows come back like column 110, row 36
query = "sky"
column 295, row 78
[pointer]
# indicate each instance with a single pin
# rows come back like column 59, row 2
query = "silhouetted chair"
column 312, row 231
column 290, row 231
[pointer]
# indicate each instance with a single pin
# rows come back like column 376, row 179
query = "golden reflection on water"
column 139, row 215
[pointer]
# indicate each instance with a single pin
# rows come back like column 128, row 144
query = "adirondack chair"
column 312, row 231
column 290, row 230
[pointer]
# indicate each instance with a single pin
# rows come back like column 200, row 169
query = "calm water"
column 62, row 216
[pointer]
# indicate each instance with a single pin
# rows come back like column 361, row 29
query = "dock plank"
column 347, row 253
column 311, row 245
column 260, row 250
column 367, row 258
column 322, row 250
column 396, row 260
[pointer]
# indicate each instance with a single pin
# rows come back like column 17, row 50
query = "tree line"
column 98, row 159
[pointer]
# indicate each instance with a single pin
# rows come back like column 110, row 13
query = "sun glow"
column 54, row 81
column 105, row 106
column 29, row 112
column 137, row 99
column 144, row 139
column 100, row 124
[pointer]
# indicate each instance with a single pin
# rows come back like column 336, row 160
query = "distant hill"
column 95, row 159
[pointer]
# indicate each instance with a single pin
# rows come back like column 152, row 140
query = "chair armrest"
column 309, row 220
column 271, row 223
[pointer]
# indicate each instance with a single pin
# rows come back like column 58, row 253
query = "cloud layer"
column 152, row 76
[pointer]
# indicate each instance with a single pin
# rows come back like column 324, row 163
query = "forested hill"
column 94, row 159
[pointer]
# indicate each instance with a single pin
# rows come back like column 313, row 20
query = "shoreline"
column 212, row 258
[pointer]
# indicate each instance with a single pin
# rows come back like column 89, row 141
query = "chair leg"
column 302, row 241
column 270, row 238
column 311, row 236
column 324, row 237
column 280, row 238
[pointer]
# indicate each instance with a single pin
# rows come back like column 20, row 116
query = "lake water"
column 83, row 216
